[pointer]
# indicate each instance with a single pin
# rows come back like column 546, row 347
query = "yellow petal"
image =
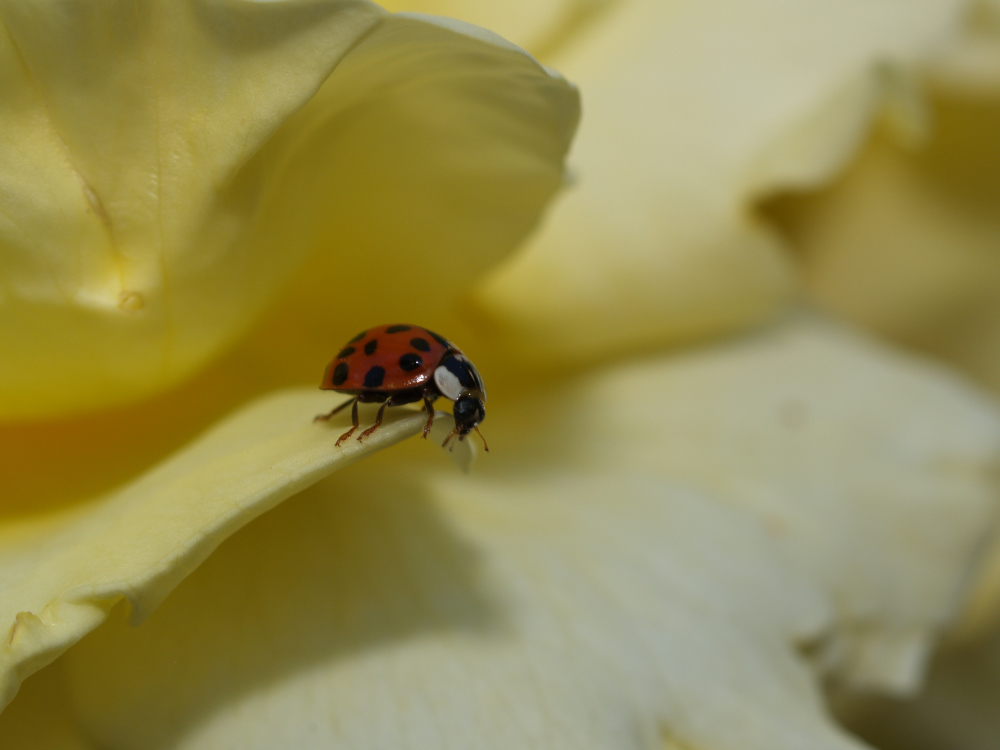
column 692, row 111
column 161, row 175
column 972, row 64
column 875, row 469
column 524, row 22
column 460, row 141
column 666, row 552
column 64, row 572
column 906, row 242
column 542, row 27
column 566, row 611
column 124, row 189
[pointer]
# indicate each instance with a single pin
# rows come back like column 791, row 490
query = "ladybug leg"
column 429, row 405
column 324, row 417
column 354, row 417
column 378, row 420
column 448, row 439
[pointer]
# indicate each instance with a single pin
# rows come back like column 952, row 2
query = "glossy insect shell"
column 385, row 359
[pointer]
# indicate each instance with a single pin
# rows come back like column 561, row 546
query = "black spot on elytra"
column 346, row 352
column 374, row 377
column 358, row 337
column 410, row 361
column 397, row 329
column 440, row 339
column 371, row 346
column 420, row 344
column 340, row 373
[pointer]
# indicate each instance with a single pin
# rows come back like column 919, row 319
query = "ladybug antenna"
column 482, row 438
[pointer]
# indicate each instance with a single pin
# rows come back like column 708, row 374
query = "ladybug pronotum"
column 401, row 364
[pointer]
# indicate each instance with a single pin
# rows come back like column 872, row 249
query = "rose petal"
column 62, row 573
column 460, row 141
column 878, row 470
column 124, row 192
column 543, row 27
column 906, row 242
column 972, row 64
column 524, row 22
column 581, row 611
column 671, row 551
column 693, row 110
column 160, row 179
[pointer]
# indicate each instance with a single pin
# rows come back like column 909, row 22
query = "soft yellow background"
column 667, row 547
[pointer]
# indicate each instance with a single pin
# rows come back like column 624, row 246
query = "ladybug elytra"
column 402, row 364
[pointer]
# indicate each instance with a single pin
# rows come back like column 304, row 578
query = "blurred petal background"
column 711, row 506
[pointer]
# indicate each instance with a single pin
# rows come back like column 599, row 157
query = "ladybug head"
column 469, row 412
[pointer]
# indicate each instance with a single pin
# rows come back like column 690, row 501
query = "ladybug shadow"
column 351, row 567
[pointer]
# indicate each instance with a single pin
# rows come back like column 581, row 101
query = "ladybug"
column 400, row 364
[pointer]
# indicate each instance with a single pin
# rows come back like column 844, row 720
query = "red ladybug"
column 400, row 364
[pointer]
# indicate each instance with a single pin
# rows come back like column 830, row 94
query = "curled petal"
column 63, row 573
column 540, row 26
column 695, row 110
column 906, row 242
column 161, row 180
column 458, row 136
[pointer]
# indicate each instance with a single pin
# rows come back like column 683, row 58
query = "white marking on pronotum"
column 447, row 383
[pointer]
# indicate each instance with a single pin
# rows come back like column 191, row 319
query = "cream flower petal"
column 688, row 543
column 149, row 211
column 564, row 611
column 906, row 243
column 461, row 158
column 123, row 190
column 62, row 573
column 521, row 21
column 972, row 65
column 540, row 26
column 877, row 470
column 693, row 111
